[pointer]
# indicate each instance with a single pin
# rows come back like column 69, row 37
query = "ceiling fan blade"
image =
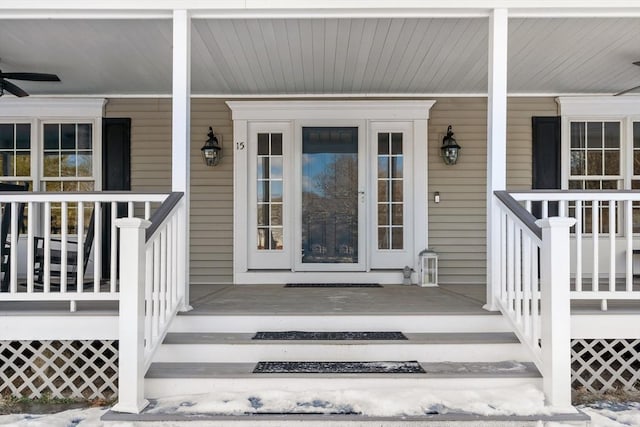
column 11, row 88
column 627, row 91
column 36, row 77
column 637, row 63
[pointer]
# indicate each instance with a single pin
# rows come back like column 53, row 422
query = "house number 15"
column 239, row 146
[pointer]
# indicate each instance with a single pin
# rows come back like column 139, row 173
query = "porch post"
column 181, row 137
column 496, row 144
column 132, row 314
column 555, row 311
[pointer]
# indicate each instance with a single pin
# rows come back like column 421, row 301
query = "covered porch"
column 189, row 249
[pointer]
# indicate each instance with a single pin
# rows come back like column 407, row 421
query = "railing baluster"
column 47, row 247
column 156, row 288
column 163, row 277
column 130, row 210
column 147, row 210
column 629, row 251
column 535, row 297
column 612, row 245
column 170, row 248
column 148, row 292
column 64, row 212
column 30, row 248
column 526, row 285
column 113, row 263
column 563, row 207
column 503, row 257
column 545, row 208
column 510, row 263
column 518, row 273
column 595, row 231
column 578, row 233
column 13, row 261
column 97, row 246
column 80, row 240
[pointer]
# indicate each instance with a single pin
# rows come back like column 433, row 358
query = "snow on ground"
column 521, row 400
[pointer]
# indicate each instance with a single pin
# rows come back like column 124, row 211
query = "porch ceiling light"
column 212, row 149
column 450, row 148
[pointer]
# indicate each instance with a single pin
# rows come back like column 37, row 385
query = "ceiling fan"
column 630, row 89
column 7, row 86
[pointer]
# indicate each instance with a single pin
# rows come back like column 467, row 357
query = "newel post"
column 131, row 320
column 555, row 300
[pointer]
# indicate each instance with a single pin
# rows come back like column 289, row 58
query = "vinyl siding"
column 211, row 188
column 456, row 224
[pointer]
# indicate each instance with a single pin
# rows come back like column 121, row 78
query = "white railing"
column 602, row 241
column 47, row 249
column 532, row 291
column 153, row 288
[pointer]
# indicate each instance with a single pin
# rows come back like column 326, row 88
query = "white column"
column 496, row 144
column 555, row 308
column 131, row 320
column 181, row 136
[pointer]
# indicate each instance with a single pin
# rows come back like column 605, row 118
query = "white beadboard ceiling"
column 324, row 56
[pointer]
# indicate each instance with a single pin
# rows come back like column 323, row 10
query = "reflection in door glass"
column 330, row 195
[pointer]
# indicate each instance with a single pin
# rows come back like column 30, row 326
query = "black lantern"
column 450, row 148
column 211, row 150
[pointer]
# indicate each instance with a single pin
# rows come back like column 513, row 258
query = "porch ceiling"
column 324, row 56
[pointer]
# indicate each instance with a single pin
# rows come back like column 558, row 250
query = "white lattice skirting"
column 59, row 369
column 600, row 365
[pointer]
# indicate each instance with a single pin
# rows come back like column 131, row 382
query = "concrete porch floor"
column 389, row 299
column 276, row 299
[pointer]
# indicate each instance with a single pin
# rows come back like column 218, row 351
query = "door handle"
column 361, row 194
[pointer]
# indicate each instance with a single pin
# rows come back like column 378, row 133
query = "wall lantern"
column 428, row 268
column 212, row 149
column 450, row 148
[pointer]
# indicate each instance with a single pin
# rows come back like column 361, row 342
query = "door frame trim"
column 290, row 112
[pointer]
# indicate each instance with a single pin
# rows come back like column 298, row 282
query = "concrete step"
column 432, row 347
column 171, row 379
column 429, row 323
column 313, row 420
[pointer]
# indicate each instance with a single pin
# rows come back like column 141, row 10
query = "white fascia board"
column 357, row 110
column 52, row 107
column 600, row 106
column 316, row 4
column 162, row 9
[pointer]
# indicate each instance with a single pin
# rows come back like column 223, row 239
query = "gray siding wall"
column 211, row 188
column 456, row 225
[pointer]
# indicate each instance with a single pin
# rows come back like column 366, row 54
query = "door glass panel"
column 390, row 203
column 330, row 195
column 270, row 192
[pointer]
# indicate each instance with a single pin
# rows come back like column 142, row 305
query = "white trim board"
column 330, row 110
column 75, row 108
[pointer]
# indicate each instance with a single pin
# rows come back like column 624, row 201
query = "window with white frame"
column 54, row 146
column 15, row 152
column 601, row 140
column 595, row 156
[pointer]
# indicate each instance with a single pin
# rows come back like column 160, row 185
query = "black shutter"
column 116, row 175
column 546, row 158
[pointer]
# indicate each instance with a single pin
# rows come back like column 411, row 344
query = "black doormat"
column 332, row 285
column 329, row 336
column 404, row 367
